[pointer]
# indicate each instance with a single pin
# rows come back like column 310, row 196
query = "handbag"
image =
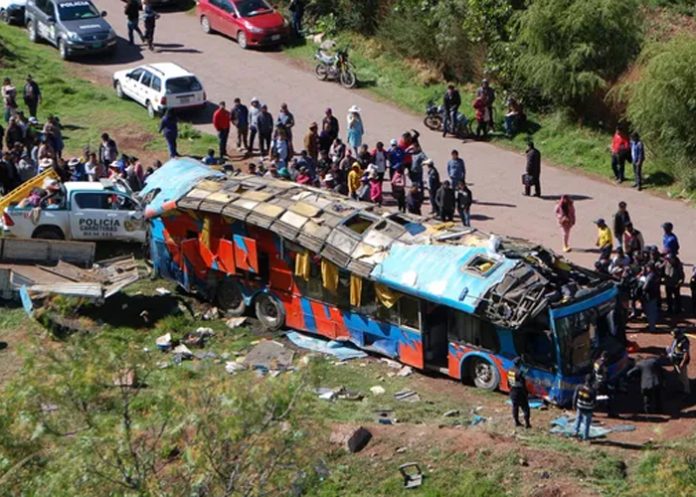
column 527, row 180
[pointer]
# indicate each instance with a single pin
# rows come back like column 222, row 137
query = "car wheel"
column 484, row 374
column 151, row 111
column 31, row 29
column 229, row 298
column 48, row 233
column 269, row 312
column 63, row 50
column 242, row 40
column 119, row 90
column 205, row 25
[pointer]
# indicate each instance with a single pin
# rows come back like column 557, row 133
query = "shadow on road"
column 573, row 196
column 125, row 53
column 494, row 204
column 174, row 48
column 200, row 116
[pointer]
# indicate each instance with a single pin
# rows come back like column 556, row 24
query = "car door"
column 131, row 84
column 92, row 216
column 145, row 89
column 46, row 20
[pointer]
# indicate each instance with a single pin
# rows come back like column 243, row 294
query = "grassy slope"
column 564, row 144
column 86, row 109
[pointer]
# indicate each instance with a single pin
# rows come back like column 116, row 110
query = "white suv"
column 160, row 86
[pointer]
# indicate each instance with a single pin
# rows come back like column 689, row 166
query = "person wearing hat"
column 433, row 185
column 330, row 124
column 517, row 383
column 311, row 141
column 678, row 353
column 604, row 239
column 532, row 170
column 670, row 242
column 356, row 130
column 395, row 156
column 77, row 167
column 32, row 95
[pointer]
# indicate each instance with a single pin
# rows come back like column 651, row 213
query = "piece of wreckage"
column 433, row 295
column 34, row 269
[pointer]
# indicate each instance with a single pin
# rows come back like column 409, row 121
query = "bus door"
column 435, row 342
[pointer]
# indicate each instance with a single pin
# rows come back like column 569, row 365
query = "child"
column 375, row 188
column 210, row 159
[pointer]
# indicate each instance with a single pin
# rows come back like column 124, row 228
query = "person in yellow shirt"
column 604, row 239
column 354, row 181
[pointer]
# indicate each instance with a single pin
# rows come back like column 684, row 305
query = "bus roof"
column 507, row 281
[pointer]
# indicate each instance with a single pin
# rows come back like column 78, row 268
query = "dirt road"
column 227, row 72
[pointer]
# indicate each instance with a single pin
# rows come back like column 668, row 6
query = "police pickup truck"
column 86, row 211
column 74, row 26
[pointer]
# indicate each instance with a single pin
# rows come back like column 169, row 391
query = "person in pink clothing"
column 375, row 188
column 565, row 213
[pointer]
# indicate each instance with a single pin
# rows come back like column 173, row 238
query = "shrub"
column 662, row 103
column 571, row 49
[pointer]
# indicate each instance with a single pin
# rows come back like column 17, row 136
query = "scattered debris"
column 342, row 350
column 164, row 342
column 233, row 323
column 385, row 417
column 353, row 439
column 211, row 314
column 451, row 413
column 233, row 367
column 412, row 474
column 269, row 355
column 199, row 337
column 183, row 351
column 48, row 408
column 565, row 425
column 534, row 403
column 325, row 393
column 377, row 390
column 390, row 363
column 145, row 316
column 405, row 371
column 476, row 420
column 162, row 291
column 400, row 450
column 125, row 379
column 205, row 355
column 407, row 396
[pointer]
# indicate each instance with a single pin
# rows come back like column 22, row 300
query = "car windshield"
column 74, row 11
column 250, row 8
column 183, row 84
column 580, row 335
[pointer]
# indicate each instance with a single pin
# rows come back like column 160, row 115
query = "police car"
column 74, row 26
column 86, row 211
column 12, row 11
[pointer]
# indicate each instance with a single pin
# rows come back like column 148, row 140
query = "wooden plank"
column 89, row 290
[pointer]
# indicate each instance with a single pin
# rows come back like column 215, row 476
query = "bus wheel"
column 229, row 298
column 484, row 374
column 269, row 312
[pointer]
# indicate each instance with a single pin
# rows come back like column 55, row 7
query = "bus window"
column 575, row 334
column 408, row 312
column 342, row 295
column 469, row 329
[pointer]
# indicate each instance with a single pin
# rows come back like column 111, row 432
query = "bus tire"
column 269, row 312
column 483, row 373
column 229, row 298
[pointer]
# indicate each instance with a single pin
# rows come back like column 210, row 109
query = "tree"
column 571, row 49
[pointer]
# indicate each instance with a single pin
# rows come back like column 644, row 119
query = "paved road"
column 227, row 72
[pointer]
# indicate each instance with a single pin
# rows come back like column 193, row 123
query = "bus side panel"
column 411, row 348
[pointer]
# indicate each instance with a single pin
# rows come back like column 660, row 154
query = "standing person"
column 414, row 199
column 673, row 271
column 456, row 170
column 621, row 219
column 620, row 153
column 488, row 92
column 584, row 401
column 297, row 8
column 633, row 242
column 286, row 120
column 565, row 214
column 356, row 130
column 532, row 171
column 264, row 124
column 670, row 242
column 149, row 19
column 9, row 98
column 254, row 113
column 240, row 119
column 482, row 117
column 281, row 150
column 678, row 353
column 108, row 151
column 604, row 239
column 637, row 157
column 375, row 188
column 417, row 160
column 132, row 11
column 395, row 155
column 32, row 95
column 379, row 159
column 451, row 102
column 221, row 122
column 445, row 201
column 330, row 124
column 464, row 199
column 398, row 188
column 354, row 180
column 517, row 382
column 169, row 127
column 311, row 142
column 603, row 385
column 651, row 374
column 651, row 295
column 433, row 186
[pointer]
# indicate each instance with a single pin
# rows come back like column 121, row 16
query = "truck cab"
column 86, row 211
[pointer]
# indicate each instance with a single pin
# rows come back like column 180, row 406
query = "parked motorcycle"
column 435, row 120
column 336, row 68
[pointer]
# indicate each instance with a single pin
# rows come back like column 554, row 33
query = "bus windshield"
column 582, row 333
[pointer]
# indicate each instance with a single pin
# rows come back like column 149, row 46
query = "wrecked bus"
column 433, row 296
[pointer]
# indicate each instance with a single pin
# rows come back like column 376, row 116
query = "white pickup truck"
column 88, row 211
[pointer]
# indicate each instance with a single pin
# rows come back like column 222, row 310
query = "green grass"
column 562, row 143
column 85, row 109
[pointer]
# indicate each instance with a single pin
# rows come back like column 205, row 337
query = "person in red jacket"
column 620, row 153
column 482, row 115
column 221, row 122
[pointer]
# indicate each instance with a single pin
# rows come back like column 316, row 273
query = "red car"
column 250, row 22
